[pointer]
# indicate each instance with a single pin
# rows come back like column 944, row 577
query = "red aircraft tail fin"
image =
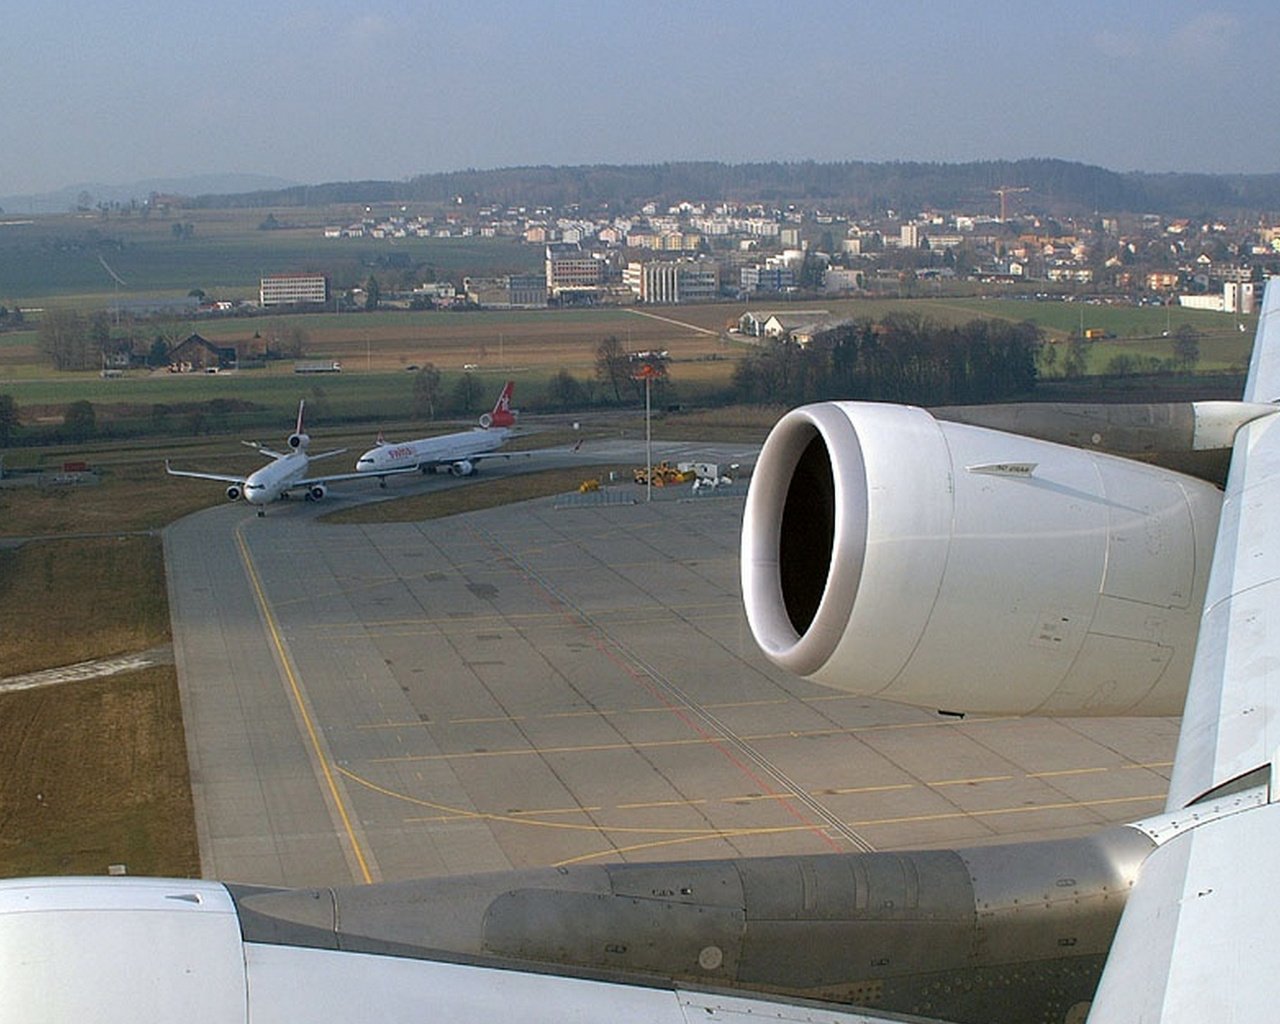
column 501, row 416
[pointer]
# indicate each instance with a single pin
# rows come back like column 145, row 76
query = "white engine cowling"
column 317, row 491
column 963, row 569
column 233, row 492
column 299, row 442
column 463, row 467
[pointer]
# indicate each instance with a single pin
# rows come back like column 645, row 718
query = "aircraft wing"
column 1197, row 938
column 479, row 457
column 334, row 477
column 224, row 477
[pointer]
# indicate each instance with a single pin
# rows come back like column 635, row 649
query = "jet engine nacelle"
column 486, row 421
column 463, row 467
column 963, row 569
column 234, row 493
column 317, row 491
column 299, row 441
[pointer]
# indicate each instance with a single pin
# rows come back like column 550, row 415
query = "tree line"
column 903, row 358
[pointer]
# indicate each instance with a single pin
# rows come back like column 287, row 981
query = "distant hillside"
column 1055, row 186
column 68, row 198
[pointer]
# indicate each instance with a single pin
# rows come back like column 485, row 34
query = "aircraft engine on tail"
column 233, row 492
column 299, row 441
column 964, row 569
column 463, row 467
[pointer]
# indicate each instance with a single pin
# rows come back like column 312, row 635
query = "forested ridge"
column 1059, row 186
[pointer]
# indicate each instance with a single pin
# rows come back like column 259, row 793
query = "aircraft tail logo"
column 501, row 416
column 298, row 440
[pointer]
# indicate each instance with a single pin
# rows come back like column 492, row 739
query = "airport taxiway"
column 541, row 685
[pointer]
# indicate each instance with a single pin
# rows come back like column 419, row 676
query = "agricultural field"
column 92, row 262
column 379, row 350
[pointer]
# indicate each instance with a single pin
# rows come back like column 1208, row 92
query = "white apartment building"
column 671, row 282
column 293, row 290
column 569, row 271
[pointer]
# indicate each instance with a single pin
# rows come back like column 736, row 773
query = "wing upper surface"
column 1264, row 365
column 223, row 477
column 1231, row 722
column 333, row 477
column 1197, row 938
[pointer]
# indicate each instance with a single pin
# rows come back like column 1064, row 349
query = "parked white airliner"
column 286, row 472
column 457, row 452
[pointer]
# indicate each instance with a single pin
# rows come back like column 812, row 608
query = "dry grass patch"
column 62, row 602
column 132, row 496
column 742, row 424
column 93, row 774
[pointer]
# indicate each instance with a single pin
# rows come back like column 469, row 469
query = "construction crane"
column 1002, row 192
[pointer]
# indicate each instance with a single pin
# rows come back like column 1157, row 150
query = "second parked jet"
column 458, row 453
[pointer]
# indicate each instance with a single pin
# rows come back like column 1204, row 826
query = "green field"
column 77, row 258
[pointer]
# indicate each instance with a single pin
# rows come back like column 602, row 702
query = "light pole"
column 646, row 373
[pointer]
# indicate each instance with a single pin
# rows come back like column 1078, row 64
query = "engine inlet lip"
column 764, row 596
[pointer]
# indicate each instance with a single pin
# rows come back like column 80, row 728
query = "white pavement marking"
column 84, row 670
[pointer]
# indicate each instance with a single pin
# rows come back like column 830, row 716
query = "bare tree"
column 1186, row 348
column 64, row 338
column 566, row 391
column 79, row 422
column 8, row 418
column 612, row 365
column 426, row 391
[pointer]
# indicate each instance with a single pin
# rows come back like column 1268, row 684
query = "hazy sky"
column 326, row 91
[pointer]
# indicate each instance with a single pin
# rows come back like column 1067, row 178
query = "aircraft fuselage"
column 432, row 451
column 265, row 485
